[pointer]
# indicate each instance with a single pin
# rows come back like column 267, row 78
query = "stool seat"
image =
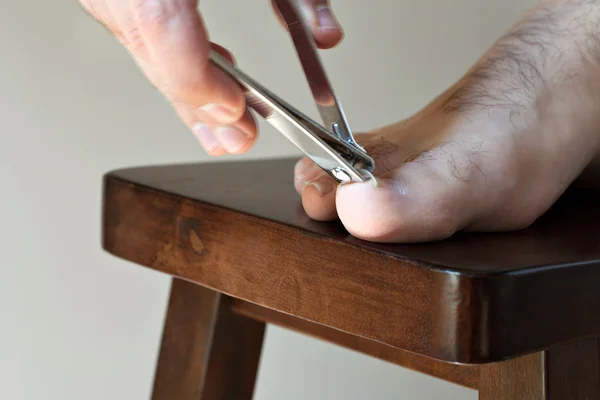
column 238, row 228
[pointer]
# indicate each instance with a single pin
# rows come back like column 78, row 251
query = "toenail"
column 323, row 187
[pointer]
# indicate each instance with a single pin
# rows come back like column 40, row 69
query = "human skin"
column 492, row 152
column 169, row 42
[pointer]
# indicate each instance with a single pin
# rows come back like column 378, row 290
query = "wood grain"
column 207, row 352
column 265, row 190
column 518, row 379
column 465, row 375
column 573, row 372
column 564, row 372
column 471, row 299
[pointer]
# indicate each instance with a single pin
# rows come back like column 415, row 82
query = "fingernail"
column 325, row 18
column 205, row 137
column 232, row 138
column 323, row 187
column 221, row 114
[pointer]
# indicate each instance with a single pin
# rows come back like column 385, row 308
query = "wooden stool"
column 514, row 315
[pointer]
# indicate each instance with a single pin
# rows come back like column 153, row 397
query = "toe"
column 317, row 190
column 420, row 201
column 305, row 172
column 318, row 199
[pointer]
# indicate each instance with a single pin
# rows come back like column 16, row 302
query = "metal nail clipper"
column 330, row 146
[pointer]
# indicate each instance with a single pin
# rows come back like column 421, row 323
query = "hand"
column 168, row 41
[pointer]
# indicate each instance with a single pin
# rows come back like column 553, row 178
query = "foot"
column 493, row 152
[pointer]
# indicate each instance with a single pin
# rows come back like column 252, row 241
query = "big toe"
column 411, row 204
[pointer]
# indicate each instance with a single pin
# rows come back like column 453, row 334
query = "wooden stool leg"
column 208, row 352
column 565, row 372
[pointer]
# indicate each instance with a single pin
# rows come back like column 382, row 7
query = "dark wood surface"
column 565, row 372
column 517, row 379
column 208, row 352
column 465, row 375
column 264, row 189
column 239, row 228
column 573, row 371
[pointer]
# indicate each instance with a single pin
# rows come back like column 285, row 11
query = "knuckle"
column 154, row 14
column 99, row 11
column 132, row 39
column 193, row 87
column 198, row 91
column 192, row 90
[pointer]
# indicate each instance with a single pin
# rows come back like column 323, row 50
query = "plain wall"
column 77, row 323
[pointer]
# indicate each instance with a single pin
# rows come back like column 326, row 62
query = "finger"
column 218, row 140
column 420, row 201
column 174, row 34
column 226, row 54
column 326, row 29
column 239, row 137
column 236, row 138
column 202, row 132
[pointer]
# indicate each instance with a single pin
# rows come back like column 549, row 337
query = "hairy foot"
column 491, row 153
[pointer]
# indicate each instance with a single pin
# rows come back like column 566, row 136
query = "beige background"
column 79, row 324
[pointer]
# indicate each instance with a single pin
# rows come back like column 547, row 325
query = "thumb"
column 326, row 29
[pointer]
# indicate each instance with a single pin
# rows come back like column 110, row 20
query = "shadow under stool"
column 514, row 315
